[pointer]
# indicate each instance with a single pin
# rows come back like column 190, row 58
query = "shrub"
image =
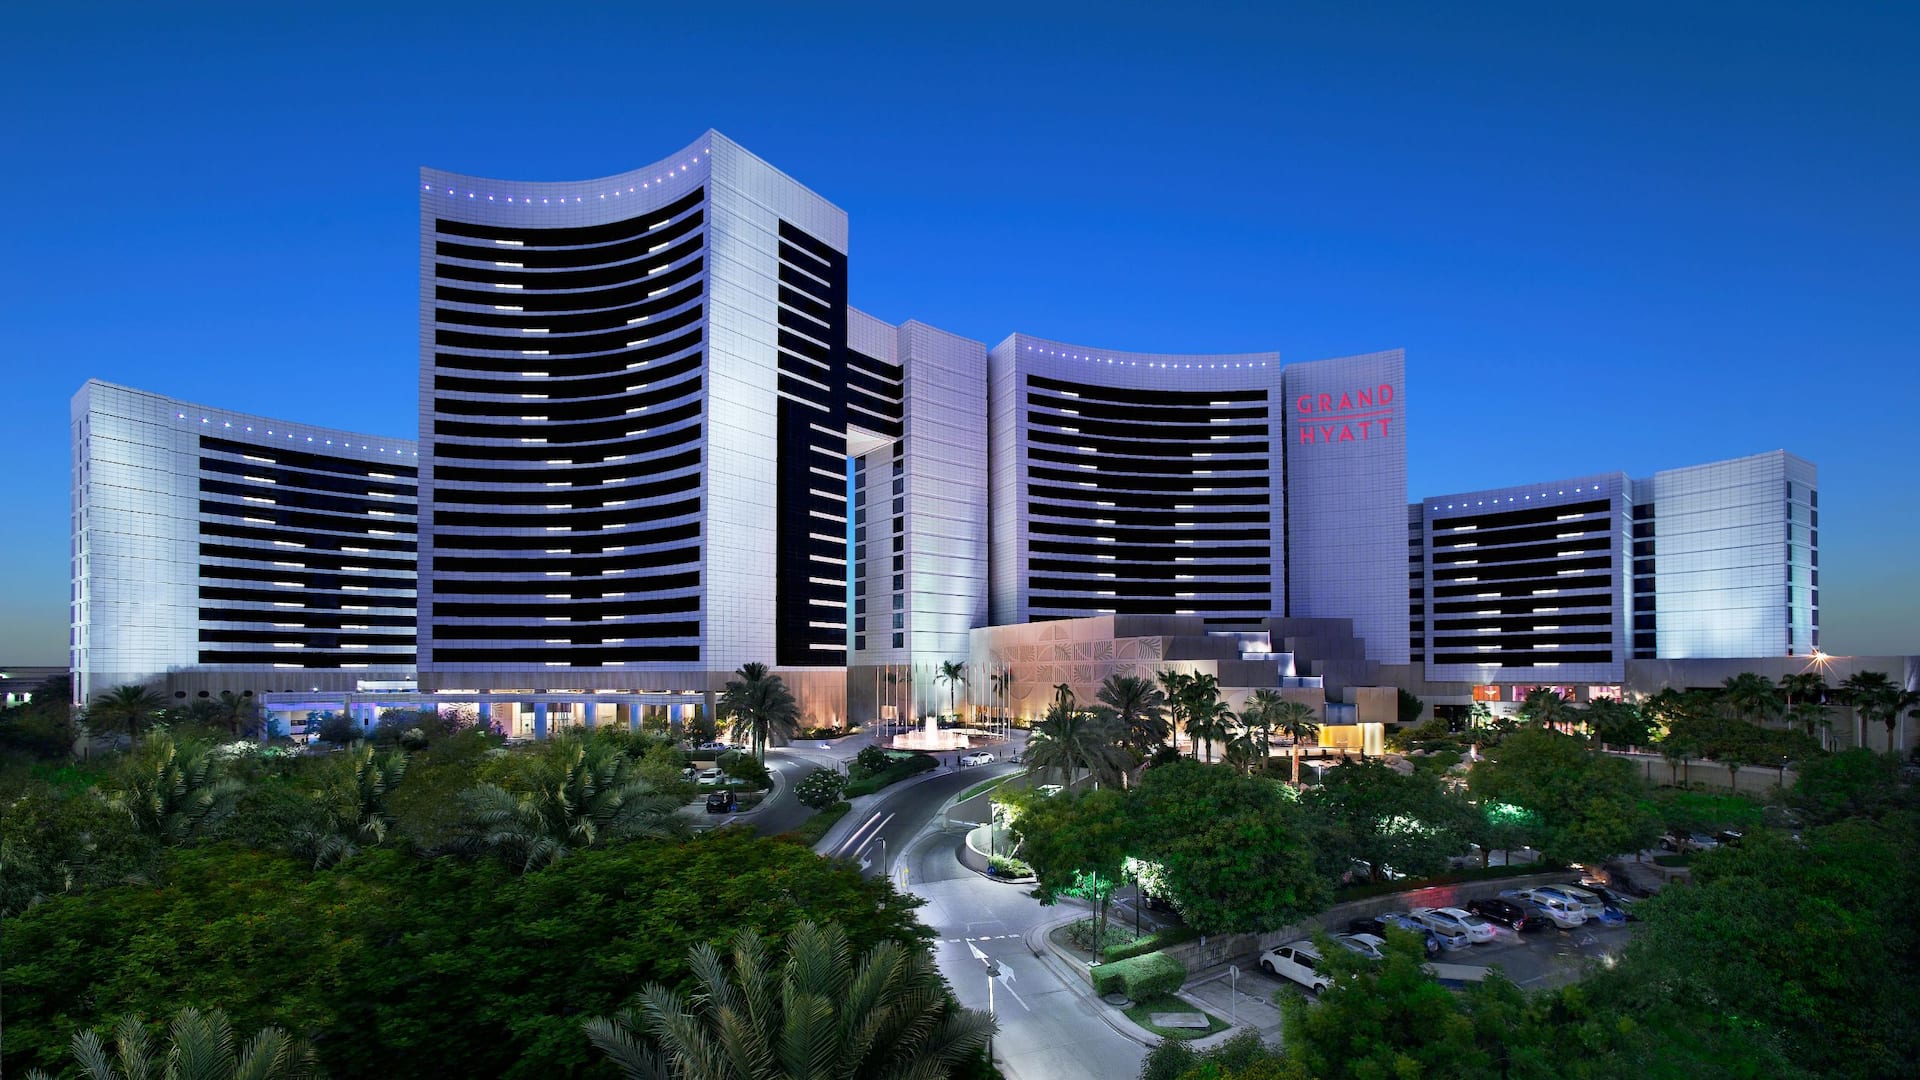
column 1140, row 946
column 899, row 768
column 812, row 830
column 1081, row 931
column 338, row 729
column 1008, row 867
column 868, row 761
column 745, row 768
column 1140, row 977
column 820, row 788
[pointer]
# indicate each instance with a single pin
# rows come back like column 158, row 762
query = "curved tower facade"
column 1135, row 484
column 633, row 419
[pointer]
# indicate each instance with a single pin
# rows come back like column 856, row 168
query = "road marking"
column 875, row 823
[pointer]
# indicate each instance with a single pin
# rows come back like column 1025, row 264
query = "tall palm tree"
column 1805, row 686
column 759, row 704
column 199, row 1047
column 1208, row 718
column 812, row 1014
column 1140, row 708
column 1870, row 693
column 172, row 793
column 238, row 713
column 1002, row 682
column 954, row 674
column 1294, row 719
column 1751, row 697
column 575, row 794
column 1063, row 696
column 131, row 707
column 1261, row 716
column 1069, row 740
column 1174, row 685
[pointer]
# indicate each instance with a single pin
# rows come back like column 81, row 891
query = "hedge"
column 1140, row 977
column 1160, row 939
column 901, row 768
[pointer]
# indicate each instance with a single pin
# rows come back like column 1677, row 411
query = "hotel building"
column 655, row 442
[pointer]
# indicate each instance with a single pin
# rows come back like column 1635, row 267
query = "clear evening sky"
column 1631, row 236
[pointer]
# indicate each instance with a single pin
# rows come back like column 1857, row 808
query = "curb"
column 1040, row 943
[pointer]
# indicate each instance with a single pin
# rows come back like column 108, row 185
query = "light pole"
column 993, row 972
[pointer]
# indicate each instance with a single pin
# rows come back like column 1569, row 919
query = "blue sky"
column 1627, row 237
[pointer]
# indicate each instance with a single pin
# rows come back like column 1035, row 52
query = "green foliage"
column 1068, row 742
column 1233, row 850
column 125, row 708
column 747, row 769
column 1140, row 977
column 1243, row 1057
column 1007, row 866
column 1589, row 805
column 759, row 704
column 1146, row 943
column 379, row 959
column 869, row 761
column 821, row 788
column 1852, row 783
column 1139, row 710
column 812, row 1013
column 570, row 795
column 1083, row 933
column 1141, row 1012
column 664, row 767
column 900, row 766
column 172, row 792
column 1700, row 811
column 1431, row 734
column 1367, row 811
column 337, row 729
column 55, row 842
column 199, row 1047
column 1409, row 707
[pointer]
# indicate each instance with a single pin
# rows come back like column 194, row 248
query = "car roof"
column 1458, row 913
column 1303, row 945
column 1369, row 939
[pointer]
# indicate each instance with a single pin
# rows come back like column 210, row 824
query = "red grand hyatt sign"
column 1353, row 416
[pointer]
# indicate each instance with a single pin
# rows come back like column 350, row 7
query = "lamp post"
column 993, row 972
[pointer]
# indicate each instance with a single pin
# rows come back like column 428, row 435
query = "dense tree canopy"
column 1588, row 806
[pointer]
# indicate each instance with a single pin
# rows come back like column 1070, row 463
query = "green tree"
column 1365, row 811
column 172, row 793
column 199, row 1047
column 954, row 674
column 573, row 794
column 1589, row 805
column 812, row 1014
column 1545, row 708
column 1854, row 783
column 1069, row 740
column 1233, row 850
column 1173, row 685
column 1140, row 708
column 1409, row 707
column 1614, row 723
column 1077, row 844
column 1751, row 697
column 129, row 707
column 760, row 704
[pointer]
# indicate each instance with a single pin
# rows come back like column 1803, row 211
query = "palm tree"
column 1261, row 715
column 132, row 707
column 172, row 793
column 1068, row 740
column 199, row 1047
column 1208, row 718
column 573, row 795
column 759, row 704
column 1139, row 708
column 1294, row 719
column 1545, row 707
column 354, row 804
column 815, row 1014
column 1174, row 685
column 1751, row 697
column 1870, row 693
column 238, row 713
column 954, row 674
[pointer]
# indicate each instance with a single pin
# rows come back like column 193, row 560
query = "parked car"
column 1453, row 937
column 722, row 802
column 712, row 776
column 1371, row 946
column 1730, row 837
column 712, row 748
column 1376, row 925
column 1563, row 913
column 1503, row 913
column 1698, row 841
column 1477, row 929
column 1611, row 897
column 978, row 757
column 1298, row 961
column 1592, row 904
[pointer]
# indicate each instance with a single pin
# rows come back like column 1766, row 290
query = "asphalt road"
column 882, row 835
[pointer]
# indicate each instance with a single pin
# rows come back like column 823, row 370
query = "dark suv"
column 722, row 802
column 1507, row 913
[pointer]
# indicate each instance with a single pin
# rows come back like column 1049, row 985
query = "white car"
column 978, row 757
column 1298, row 961
column 1451, row 935
column 1477, row 929
column 1371, row 946
column 1591, row 903
column 712, row 776
column 1565, row 913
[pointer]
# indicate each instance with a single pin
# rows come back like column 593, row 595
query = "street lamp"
column 993, row 972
